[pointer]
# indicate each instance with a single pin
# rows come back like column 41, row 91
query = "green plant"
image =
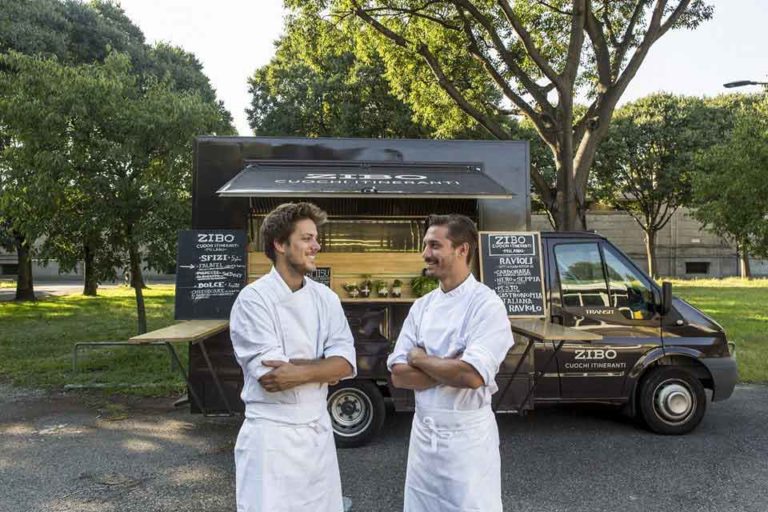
column 422, row 285
column 352, row 289
column 381, row 288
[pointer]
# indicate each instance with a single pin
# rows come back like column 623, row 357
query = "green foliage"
column 67, row 121
column 731, row 191
column 645, row 165
column 422, row 285
column 315, row 86
column 112, row 158
column 455, row 60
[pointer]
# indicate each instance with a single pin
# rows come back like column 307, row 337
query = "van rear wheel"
column 672, row 401
column 357, row 412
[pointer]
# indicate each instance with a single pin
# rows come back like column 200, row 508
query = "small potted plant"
column 365, row 287
column 351, row 289
column 397, row 289
column 382, row 290
column 422, row 285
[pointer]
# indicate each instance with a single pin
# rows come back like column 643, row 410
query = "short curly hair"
column 280, row 223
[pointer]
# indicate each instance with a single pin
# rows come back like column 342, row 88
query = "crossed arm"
column 424, row 371
column 287, row 375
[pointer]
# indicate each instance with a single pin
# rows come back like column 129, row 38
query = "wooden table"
column 189, row 331
column 539, row 329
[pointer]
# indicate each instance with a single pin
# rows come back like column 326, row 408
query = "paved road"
column 82, row 453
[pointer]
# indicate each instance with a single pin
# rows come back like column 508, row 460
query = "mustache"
column 430, row 260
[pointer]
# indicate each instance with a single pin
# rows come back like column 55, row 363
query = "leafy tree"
column 117, row 150
column 731, row 191
column 535, row 57
column 645, row 165
column 315, row 86
column 77, row 33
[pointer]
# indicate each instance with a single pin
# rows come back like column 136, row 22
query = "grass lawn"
column 741, row 307
column 7, row 283
column 36, row 339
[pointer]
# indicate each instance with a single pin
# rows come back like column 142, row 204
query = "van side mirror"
column 666, row 297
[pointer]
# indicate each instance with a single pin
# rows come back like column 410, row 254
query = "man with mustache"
column 291, row 339
column 449, row 351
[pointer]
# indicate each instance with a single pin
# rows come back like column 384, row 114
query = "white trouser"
column 287, row 467
column 453, row 462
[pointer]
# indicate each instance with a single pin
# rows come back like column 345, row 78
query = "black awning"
column 362, row 179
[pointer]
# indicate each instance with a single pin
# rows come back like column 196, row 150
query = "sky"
column 232, row 38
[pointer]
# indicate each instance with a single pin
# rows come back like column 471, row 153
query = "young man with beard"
column 291, row 339
column 449, row 351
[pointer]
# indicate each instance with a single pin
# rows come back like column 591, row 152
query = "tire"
column 357, row 412
column 672, row 401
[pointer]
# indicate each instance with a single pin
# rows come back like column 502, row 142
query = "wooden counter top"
column 186, row 331
column 547, row 331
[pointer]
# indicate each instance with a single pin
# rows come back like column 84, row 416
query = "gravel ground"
column 76, row 452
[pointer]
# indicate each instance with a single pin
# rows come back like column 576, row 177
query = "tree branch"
column 553, row 8
column 494, row 128
column 538, row 92
column 602, row 53
column 573, row 57
column 474, row 49
column 527, row 41
column 416, row 12
column 626, row 40
column 673, row 18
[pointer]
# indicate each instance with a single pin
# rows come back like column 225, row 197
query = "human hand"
column 415, row 354
column 284, row 376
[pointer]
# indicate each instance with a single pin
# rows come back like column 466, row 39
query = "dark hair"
column 461, row 230
column 280, row 223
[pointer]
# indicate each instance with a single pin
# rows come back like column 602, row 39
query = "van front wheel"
column 672, row 401
column 357, row 412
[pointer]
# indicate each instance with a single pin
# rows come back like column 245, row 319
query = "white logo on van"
column 596, row 354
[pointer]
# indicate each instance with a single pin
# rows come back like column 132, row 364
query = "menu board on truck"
column 511, row 264
column 210, row 272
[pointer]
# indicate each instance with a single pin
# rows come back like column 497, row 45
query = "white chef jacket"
column 470, row 320
column 271, row 322
column 454, row 463
column 285, row 457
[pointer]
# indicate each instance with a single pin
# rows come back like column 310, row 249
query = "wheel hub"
column 348, row 411
column 674, row 401
column 349, row 407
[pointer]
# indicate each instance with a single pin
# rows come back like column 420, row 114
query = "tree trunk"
column 24, row 287
column 650, row 253
column 89, row 259
column 137, row 282
column 570, row 214
column 745, row 272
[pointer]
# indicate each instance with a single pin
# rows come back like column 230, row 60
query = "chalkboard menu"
column 322, row 275
column 511, row 264
column 210, row 272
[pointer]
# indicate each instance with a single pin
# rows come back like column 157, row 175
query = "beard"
column 431, row 271
column 300, row 263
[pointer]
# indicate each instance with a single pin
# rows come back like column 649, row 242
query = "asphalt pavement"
column 82, row 452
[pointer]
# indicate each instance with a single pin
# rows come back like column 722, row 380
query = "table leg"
column 184, row 374
column 215, row 377
column 539, row 374
column 514, row 372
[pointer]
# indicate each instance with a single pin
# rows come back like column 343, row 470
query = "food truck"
column 590, row 326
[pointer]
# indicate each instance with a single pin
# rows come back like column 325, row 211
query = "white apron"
column 453, row 462
column 285, row 456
